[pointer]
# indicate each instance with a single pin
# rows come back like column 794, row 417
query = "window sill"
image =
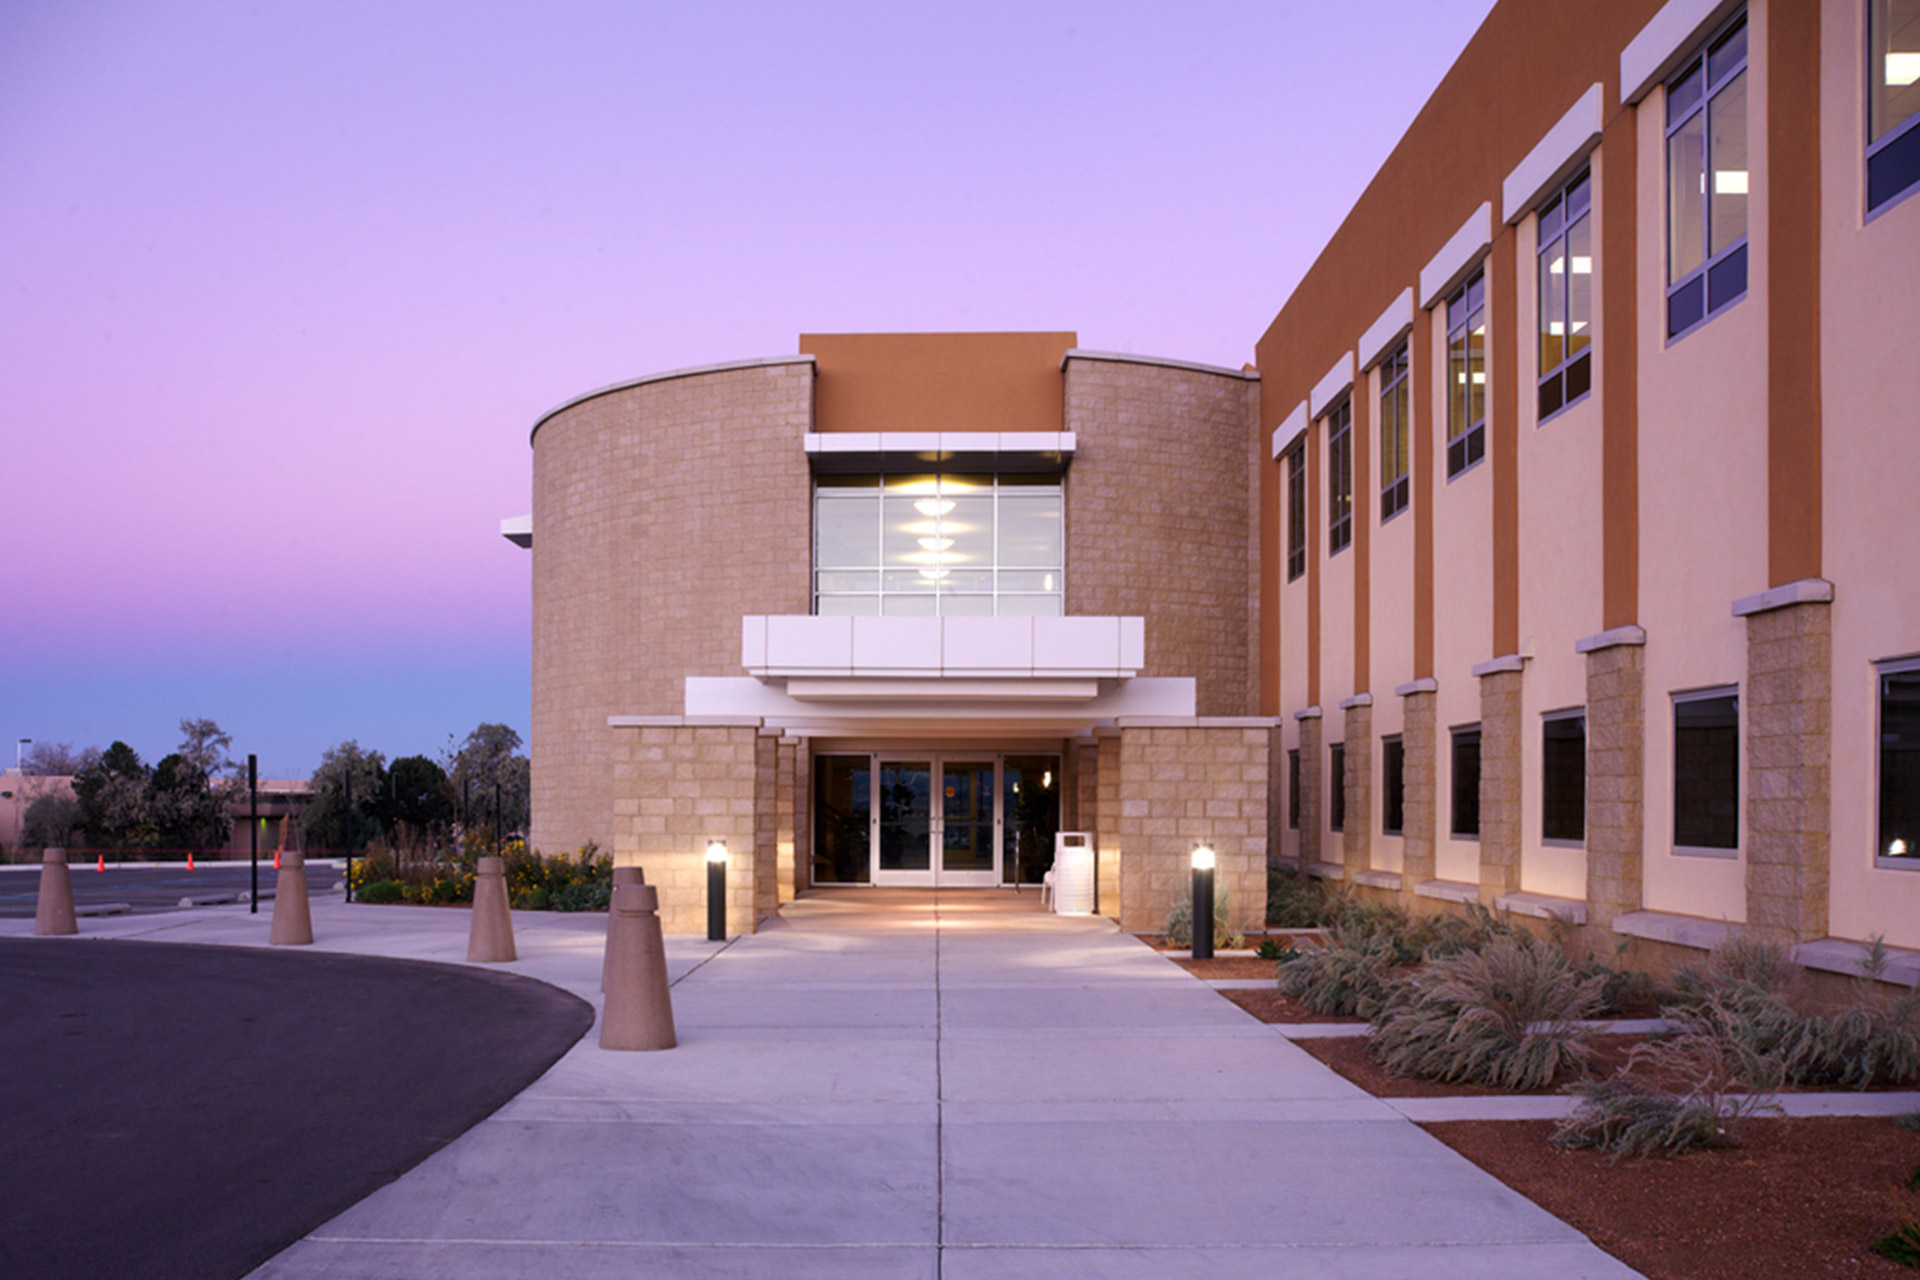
column 1556, row 843
column 1447, row 890
column 1681, row 931
column 1836, row 955
column 1326, row 871
column 1695, row 851
column 1287, row 863
column 1389, row 880
column 1543, row 906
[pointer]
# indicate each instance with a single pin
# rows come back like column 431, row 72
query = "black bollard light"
column 716, row 891
column 253, row 831
column 1202, row 902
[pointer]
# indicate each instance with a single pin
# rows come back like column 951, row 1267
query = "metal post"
column 253, row 830
column 1203, row 903
column 496, row 817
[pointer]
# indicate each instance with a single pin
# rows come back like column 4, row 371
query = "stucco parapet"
column 694, row 371
column 1805, row 591
column 1412, row 688
column 1307, row 713
column 1627, row 635
column 1511, row 662
column 1357, row 700
column 1164, row 362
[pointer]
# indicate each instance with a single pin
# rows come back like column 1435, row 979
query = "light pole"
column 19, row 794
column 1202, row 902
column 716, row 891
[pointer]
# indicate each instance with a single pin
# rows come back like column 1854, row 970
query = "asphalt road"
column 191, row 1110
column 147, row 889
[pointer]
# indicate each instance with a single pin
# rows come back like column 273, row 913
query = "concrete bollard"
column 292, row 915
column 490, row 932
column 639, row 1011
column 53, row 914
column 621, row 875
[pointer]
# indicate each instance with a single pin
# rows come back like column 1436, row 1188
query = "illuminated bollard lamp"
column 1202, row 902
column 716, row 891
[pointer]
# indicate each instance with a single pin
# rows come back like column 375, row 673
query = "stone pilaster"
column 1356, row 841
column 1419, row 805
column 1499, row 784
column 802, row 816
column 1184, row 785
column 681, row 786
column 784, row 802
column 1616, row 778
column 1312, row 802
column 1276, row 793
column 1106, row 822
column 1788, row 720
column 766, row 824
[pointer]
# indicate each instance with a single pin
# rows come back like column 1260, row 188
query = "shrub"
column 1903, row 1246
column 583, row 895
column 1180, row 923
column 1506, row 1015
column 379, row 891
column 534, row 899
column 1342, row 979
column 1295, row 901
column 1627, row 1118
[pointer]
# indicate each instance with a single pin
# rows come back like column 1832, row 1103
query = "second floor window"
column 1566, row 296
column 1893, row 99
column 1707, row 173
column 1296, row 512
column 1467, row 375
column 1340, row 477
column 1394, row 461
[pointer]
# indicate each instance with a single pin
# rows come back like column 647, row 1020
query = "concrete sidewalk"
column 910, row 1083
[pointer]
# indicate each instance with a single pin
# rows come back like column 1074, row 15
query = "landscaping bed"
column 1804, row 1198
column 1271, row 1006
column 1350, row 1057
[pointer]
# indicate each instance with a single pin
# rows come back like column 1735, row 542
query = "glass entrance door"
column 903, row 822
column 936, row 822
column 969, row 820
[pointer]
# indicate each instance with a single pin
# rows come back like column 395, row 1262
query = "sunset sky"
column 284, row 286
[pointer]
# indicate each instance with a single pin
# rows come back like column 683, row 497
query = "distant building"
column 1558, row 557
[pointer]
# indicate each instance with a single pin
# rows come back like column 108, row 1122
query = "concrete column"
column 490, row 925
column 1356, row 841
column 1499, row 784
column 1616, row 776
column 1420, row 803
column 1788, row 719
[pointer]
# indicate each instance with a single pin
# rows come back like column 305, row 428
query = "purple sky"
column 284, row 286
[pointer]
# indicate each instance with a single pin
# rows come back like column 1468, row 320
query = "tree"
column 419, row 797
column 50, row 822
column 57, row 760
column 349, row 789
column 114, row 802
column 486, row 760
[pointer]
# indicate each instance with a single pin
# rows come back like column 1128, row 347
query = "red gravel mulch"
column 1801, row 1198
column 1271, row 1006
column 1350, row 1057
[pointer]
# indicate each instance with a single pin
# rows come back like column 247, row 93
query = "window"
column 938, row 544
column 1393, row 767
column 1340, row 477
column 1706, row 770
column 1899, row 836
column 1707, row 180
column 1563, row 781
column 1467, row 375
column 1296, row 512
column 1566, row 296
column 1466, row 781
column 1394, row 459
column 1337, row 787
column 1293, row 789
column 1893, row 99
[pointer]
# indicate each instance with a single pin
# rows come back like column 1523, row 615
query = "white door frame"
column 936, row 874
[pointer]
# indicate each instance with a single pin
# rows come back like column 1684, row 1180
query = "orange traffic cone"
column 102, row 864
column 189, row 861
column 276, row 859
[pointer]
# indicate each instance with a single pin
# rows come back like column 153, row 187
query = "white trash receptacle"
column 1073, row 886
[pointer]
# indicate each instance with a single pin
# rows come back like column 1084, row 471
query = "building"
column 1555, row 557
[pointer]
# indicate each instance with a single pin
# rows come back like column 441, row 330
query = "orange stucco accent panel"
column 1619, row 376
column 1793, row 291
column 938, row 381
column 1314, row 444
column 1503, row 444
column 1363, row 490
column 1421, row 433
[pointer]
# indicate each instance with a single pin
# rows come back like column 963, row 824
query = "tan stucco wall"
column 1160, row 518
column 663, row 514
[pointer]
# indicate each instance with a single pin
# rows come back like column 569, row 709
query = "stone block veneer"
column 1356, row 842
column 1419, row 803
column 1499, row 784
column 1182, row 786
column 1310, row 799
column 1788, row 751
column 679, row 787
column 1616, row 773
column 1106, row 818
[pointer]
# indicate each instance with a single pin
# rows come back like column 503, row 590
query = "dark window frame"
column 1337, row 786
column 1720, row 279
column 1296, row 511
column 1554, row 830
column 1396, row 405
column 1570, row 380
column 1339, row 428
column 1904, row 813
column 1465, row 800
column 1467, row 434
column 1293, row 788
column 1693, row 756
column 1393, row 785
column 1891, row 169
